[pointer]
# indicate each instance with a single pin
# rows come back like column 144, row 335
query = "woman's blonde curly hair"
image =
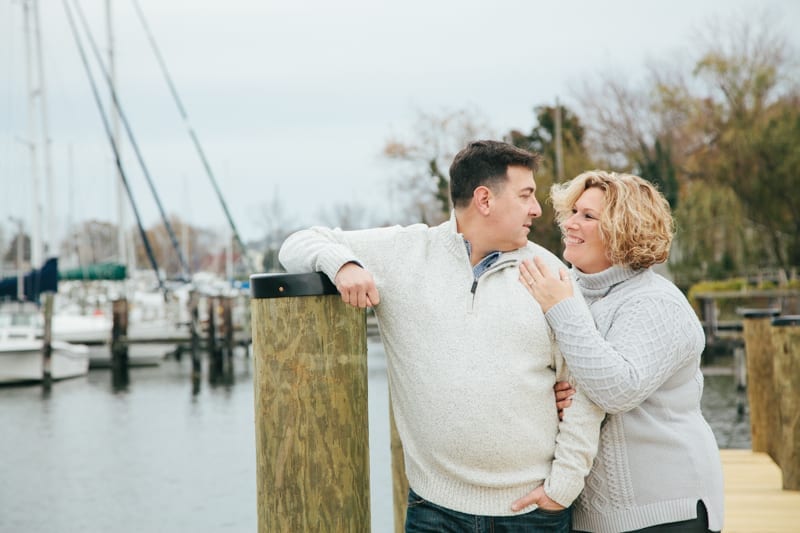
column 636, row 223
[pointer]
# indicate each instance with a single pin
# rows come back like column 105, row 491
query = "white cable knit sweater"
column 641, row 363
column 470, row 374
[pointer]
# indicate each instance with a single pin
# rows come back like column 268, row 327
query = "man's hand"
column 564, row 393
column 538, row 497
column 356, row 286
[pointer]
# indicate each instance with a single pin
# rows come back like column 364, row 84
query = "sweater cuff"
column 566, row 310
column 563, row 487
column 335, row 260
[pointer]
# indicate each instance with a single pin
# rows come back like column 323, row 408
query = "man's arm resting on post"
column 324, row 250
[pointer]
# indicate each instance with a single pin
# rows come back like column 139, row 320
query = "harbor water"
column 162, row 455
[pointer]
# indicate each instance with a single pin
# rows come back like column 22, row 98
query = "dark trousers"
column 423, row 516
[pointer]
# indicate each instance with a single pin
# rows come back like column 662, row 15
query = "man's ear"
column 481, row 197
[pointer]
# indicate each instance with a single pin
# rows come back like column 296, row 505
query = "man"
column 470, row 359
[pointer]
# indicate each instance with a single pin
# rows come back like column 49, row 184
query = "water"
column 159, row 457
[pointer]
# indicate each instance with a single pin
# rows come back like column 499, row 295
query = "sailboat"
column 83, row 315
column 27, row 353
column 22, row 342
column 71, row 320
column 21, row 346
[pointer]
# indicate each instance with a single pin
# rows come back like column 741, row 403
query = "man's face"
column 513, row 208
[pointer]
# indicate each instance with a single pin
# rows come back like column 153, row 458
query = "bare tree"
column 425, row 157
column 705, row 127
column 346, row 216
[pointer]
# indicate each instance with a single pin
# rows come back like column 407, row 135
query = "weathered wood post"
column 214, row 359
column 47, row 346
column 194, row 339
column 227, row 336
column 399, row 479
column 786, row 339
column 119, row 343
column 760, row 390
column 709, row 319
column 312, row 439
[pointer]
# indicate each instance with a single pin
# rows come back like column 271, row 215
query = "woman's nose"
column 571, row 221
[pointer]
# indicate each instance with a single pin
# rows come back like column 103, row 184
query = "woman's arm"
column 649, row 339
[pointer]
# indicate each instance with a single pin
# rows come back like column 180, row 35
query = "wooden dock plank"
column 754, row 500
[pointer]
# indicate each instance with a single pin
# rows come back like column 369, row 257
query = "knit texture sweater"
column 636, row 353
column 470, row 370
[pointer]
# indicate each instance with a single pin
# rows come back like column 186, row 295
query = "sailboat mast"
column 122, row 245
column 193, row 136
column 134, row 145
column 36, row 212
column 117, row 159
column 49, row 245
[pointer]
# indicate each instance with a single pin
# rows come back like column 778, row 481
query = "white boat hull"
column 138, row 354
column 95, row 330
column 83, row 329
column 22, row 361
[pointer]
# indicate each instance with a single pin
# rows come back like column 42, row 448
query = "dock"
column 754, row 500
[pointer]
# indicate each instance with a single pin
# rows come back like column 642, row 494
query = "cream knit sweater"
column 470, row 373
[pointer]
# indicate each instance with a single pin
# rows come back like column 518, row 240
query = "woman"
column 637, row 355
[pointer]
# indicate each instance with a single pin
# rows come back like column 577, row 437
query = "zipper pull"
column 474, row 286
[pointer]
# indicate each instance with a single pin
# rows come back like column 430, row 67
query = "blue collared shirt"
column 485, row 263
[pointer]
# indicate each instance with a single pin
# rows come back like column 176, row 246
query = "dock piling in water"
column 227, row 338
column 194, row 338
column 47, row 347
column 119, row 343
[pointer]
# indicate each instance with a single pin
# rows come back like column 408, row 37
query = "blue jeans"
column 423, row 516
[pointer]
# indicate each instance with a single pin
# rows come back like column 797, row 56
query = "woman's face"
column 583, row 245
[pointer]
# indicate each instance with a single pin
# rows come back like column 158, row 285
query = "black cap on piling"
column 788, row 320
column 758, row 313
column 285, row 285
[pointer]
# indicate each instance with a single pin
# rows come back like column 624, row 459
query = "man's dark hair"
column 485, row 163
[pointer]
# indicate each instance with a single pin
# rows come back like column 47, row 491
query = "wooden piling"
column 194, row 338
column 312, row 442
column 786, row 339
column 47, row 347
column 760, row 391
column 119, row 343
column 227, row 337
column 214, row 355
column 399, row 479
column 709, row 319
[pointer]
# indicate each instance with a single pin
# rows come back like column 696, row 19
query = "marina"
column 131, row 400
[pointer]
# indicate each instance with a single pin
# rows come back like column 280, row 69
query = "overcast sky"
column 296, row 99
